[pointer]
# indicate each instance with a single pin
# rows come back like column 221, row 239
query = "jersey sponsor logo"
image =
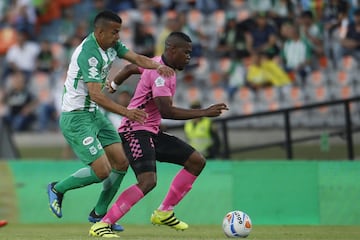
column 88, row 141
column 93, row 72
column 160, row 82
column 93, row 150
column 93, row 62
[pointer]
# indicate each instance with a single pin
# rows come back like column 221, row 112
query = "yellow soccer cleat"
column 101, row 229
column 167, row 218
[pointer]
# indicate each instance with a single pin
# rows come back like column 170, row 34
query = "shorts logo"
column 88, row 141
column 160, row 82
column 93, row 150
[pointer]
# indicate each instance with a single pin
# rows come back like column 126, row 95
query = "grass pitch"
column 149, row 232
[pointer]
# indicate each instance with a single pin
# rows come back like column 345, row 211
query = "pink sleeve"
column 161, row 87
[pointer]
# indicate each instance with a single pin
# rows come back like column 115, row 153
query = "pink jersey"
column 150, row 86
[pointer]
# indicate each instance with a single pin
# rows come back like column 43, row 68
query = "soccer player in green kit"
column 91, row 136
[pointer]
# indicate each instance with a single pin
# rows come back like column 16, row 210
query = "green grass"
column 300, row 151
column 80, row 232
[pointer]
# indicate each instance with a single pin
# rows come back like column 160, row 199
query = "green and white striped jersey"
column 89, row 63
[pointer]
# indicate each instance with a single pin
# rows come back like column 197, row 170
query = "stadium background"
column 272, row 192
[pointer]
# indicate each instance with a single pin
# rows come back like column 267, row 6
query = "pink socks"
column 123, row 204
column 180, row 186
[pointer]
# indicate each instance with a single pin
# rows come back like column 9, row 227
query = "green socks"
column 110, row 187
column 83, row 177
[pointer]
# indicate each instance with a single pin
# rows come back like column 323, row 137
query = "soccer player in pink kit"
column 145, row 143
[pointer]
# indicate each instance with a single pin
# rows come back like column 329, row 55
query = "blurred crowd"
column 253, row 54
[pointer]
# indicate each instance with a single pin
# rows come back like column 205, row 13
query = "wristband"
column 113, row 85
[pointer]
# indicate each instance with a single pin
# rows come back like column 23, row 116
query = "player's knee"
column 195, row 164
column 103, row 174
column 121, row 165
column 147, row 185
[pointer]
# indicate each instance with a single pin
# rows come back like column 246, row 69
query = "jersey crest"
column 160, row 82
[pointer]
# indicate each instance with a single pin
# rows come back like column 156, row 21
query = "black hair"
column 307, row 14
column 107, row 15
column 176, row 39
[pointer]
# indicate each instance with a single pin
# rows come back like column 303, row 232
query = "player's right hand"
column 137, row 115
column 215, row 110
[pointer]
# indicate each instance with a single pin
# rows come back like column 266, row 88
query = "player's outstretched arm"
column 148, row 63
column 121, row 76
column 101, row 99
column 168, row 111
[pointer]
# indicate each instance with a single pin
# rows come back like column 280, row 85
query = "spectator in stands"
column 206, row 7
column 262, row 36
column 195, row 30
column 21, row 104
column 256, row 77
column 335, row 23
column 21, row 57
column 235, row 74
column 351, row 42
column 98, row 6
column 48, row 20
column 144, row 41
column 311, row 32
column 202, row 134
column 172, row 24
column 233, row 39
column 45, row 60
column 120, row 6
column 264, row 72
column 296, row 53
column 66, row 25
column 25, row 17
column 282, row 11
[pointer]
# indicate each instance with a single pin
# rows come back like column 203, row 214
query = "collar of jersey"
column 94, row 38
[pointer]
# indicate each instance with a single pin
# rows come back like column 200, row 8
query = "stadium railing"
column 346, row 127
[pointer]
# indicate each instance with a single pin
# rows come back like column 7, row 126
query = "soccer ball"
column 237, row 224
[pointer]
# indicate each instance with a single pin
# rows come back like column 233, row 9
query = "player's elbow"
column 166, row 113
column 131, row 69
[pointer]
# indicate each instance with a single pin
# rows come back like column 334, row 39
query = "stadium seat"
column 218, row 94
column 316, row 78
column 294, row 97
column 342, row 78
column 195, row 17
column 347, row 63
column 269, row 94
column 202, row 69
column 193, row 94
column 219, row 20
column 215, row 78
column 343, row 92
column 40, row 86
column 148, row 17
column 244, row 94
column 242, row 15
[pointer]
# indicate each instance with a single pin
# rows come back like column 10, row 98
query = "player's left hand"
column 215, row 110
column 165, row 71
column 137, row 115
